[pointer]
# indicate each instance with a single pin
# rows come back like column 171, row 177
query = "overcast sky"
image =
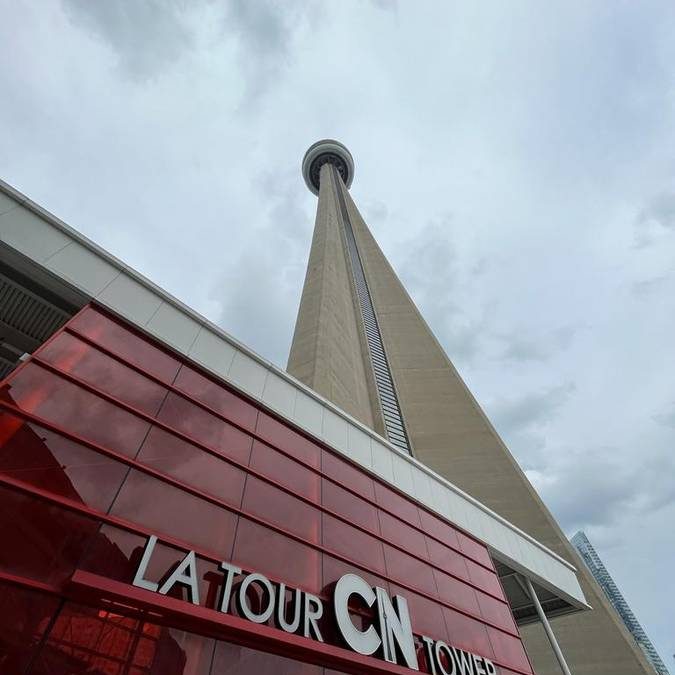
column 515, row 161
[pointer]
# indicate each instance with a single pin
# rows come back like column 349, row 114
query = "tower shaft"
column 327, row 352
column 335, row 352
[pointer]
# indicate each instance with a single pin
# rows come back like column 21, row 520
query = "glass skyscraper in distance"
column 602, row 576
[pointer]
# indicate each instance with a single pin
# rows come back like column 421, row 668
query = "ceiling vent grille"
column 28, row 313
column 26, row 322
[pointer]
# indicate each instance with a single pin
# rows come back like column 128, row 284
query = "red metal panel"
column 115, row 596
column 25, row 615
column 106, row 426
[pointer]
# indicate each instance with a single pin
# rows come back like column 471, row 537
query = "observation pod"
column 323, row 152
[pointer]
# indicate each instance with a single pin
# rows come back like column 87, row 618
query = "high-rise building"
column 601, row 575
column 361, row 342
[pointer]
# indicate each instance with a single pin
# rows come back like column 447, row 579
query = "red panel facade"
column 107, row 438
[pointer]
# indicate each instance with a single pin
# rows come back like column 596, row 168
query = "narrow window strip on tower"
column 391, row 410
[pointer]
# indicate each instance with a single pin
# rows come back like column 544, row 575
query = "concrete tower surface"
column 361, row 342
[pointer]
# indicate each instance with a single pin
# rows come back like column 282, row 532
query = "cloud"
column 597, row 487
column 523, row 421
column 147, row 36
column 534, row 409
column 656, row 218
column 387, row 5
column 647, row 287
column 593, row 490
column 150, row 37
column 265, row 32
column 542, row 348
column 439, row 282
column 666, row 419
column 259, row 293
column 264, row 28
column 661, row 211
column 375, row 213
